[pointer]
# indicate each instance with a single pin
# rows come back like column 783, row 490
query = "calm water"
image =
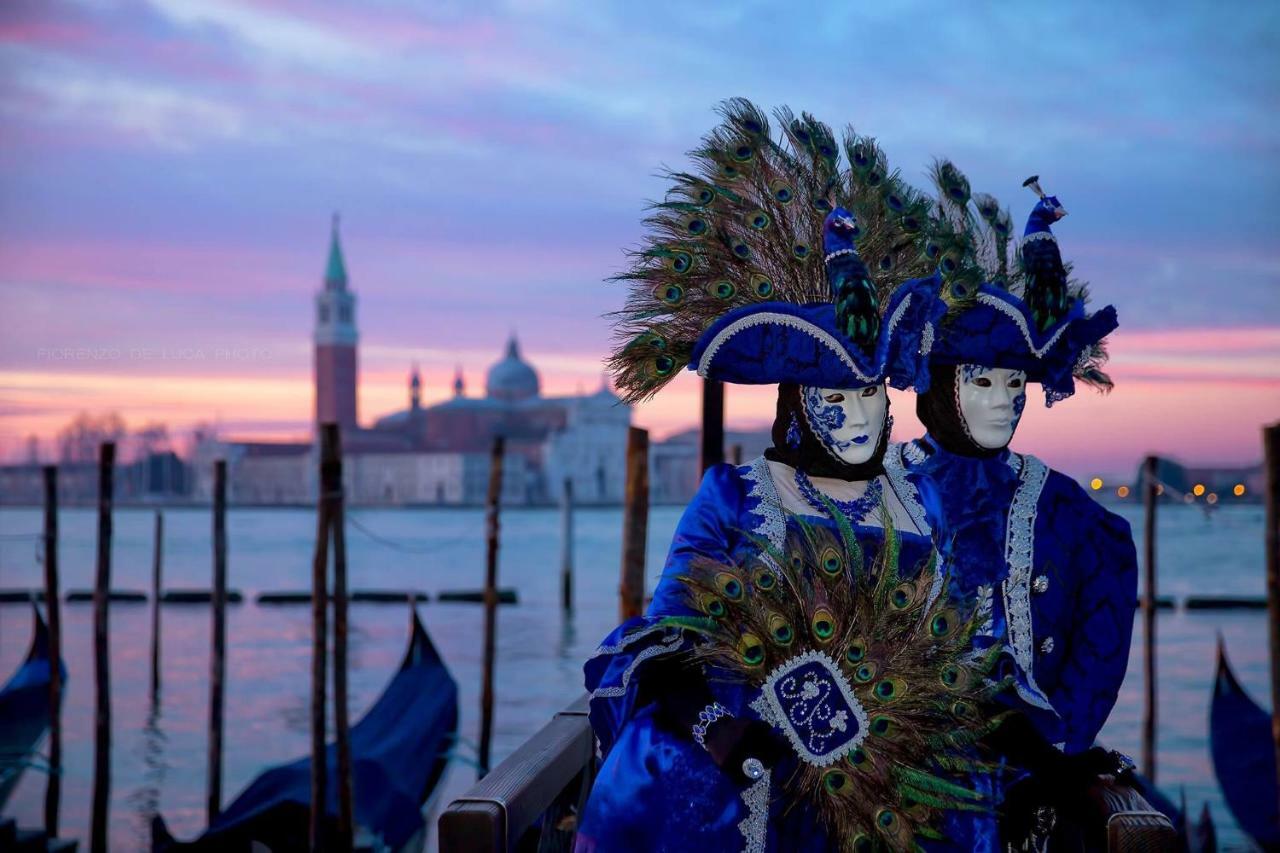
column 159, row 759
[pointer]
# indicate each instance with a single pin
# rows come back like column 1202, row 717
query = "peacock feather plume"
column 867, row 671
column 744, row 223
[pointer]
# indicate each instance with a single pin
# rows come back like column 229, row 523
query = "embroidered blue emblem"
column 810, row 701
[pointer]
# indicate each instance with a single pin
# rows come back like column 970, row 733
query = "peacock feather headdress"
column 868, row 672
column 775, row 259
column 1021, row 309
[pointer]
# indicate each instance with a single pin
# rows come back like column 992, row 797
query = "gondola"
column 1244, row 757
column 24, row 708
column 398, row 753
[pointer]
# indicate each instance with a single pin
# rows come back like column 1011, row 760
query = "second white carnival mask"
column 991, row 400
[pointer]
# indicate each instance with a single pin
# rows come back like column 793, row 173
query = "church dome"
column 512, row 378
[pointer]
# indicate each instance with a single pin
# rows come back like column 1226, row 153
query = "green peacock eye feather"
column 855, row 653
column 800, row 251
column 729, row 172
column 881, row 726
column 663, row 365
column 887, row 819
column 911, row 224
column 824, row 624
column 743, row 153
column 740, row 249
column 885, row 689
column 696, row 226
column 950, row 675
column 780, row 629
column 762, row 288
column 764, row 580
column 729, row 586
column 723, row 290
column 669, row 294
column 941, row 624
column 714, row 607
column 834, row 781
column 831, row 562
column 902, row 597
column 962, row 709
column 886, row 263
column 932, row 250
column 894, row 202
column 821, row 205
column 862, row 844
column 757, row 219
column 865, row 673
column 680, row 262
column 782, row 193
column 704, row 195
column 751, row 650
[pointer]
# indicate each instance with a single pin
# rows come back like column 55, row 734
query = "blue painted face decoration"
column 991, row 400
column 848, row 421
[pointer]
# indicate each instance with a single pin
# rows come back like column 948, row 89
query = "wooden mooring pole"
column 102, row 655
column 330, row 481
column 1271, row 456
column 53, row 610
column 1150, row 474
column 566, row 546
column 493, row 504
column 341, row 720
column 157, row 570
column 218, row 651
column 712, row 423
column 635, row 525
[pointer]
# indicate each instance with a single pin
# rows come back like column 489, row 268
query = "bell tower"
column 335, row 342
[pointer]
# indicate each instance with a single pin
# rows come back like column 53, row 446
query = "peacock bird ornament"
column 868, row 672
column 1047, row 292
column 799, row 219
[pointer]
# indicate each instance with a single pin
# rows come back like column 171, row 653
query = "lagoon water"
column 158, row 760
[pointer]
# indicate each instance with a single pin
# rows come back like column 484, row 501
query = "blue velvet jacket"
column 659, row 790
column 1057, row 572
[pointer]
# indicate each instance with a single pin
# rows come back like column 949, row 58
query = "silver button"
column 752, row 768
column 1046, row 645
column 1041, row 583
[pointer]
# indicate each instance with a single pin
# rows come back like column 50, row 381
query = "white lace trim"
column 772, row 526
column 821, row 335
column 926, row 340
column 1021, row 321
column 672, row 644
column 1038, row 235
column 756, row 824
column 895, row 470
column 913, row 454
column 627, row 640
column 1019, row 547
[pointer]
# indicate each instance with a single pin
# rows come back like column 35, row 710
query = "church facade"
column 434, row 454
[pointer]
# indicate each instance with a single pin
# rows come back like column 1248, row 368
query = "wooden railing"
column 529, row 802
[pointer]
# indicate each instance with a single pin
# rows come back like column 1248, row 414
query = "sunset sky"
column 168, row 171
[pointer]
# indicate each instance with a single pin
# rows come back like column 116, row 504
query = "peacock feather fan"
column 868, row 672
column 744, row 224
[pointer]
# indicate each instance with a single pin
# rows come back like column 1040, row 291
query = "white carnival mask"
column 991, row 401
column 848, row 421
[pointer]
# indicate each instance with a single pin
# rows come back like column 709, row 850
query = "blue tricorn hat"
column 997, row 329
column 772, row 342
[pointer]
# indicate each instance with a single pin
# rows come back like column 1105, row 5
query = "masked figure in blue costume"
column 1057, row 573
column 770, row 264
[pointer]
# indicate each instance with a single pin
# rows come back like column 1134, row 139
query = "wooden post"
column 1150, row 473
column 157, row 563
column 566, row 546
column 217, row 655
column 635, row 525
column 102, row 655
column 319, row 635
column 341, row 721
column 735, row 453
column 1271, row 455
column 53, row 790
column 490, row 601
column 712, row 423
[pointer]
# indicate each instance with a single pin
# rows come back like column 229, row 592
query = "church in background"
column 437, row 454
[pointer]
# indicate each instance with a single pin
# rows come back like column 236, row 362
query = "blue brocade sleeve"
column 708, row 528
column 1098, row 649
